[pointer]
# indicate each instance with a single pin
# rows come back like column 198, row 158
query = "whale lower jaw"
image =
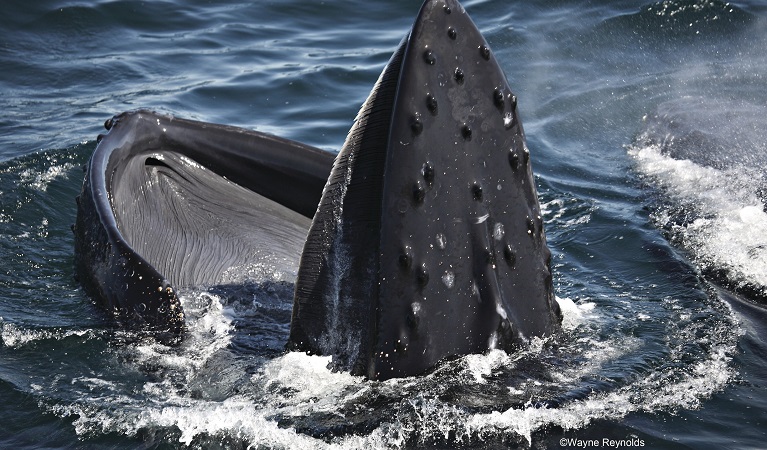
column 169, row 203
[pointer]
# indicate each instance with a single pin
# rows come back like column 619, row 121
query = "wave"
column 210, row 391
column 707, row 168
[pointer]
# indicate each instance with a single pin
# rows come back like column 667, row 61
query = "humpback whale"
column 422, row 240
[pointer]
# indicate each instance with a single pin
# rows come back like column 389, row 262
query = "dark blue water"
column 646, row 123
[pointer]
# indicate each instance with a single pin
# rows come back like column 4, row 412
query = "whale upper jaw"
column 428, row 241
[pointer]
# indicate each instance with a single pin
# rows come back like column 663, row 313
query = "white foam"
column 235, row 418
column 307, row 378
column 441, row 241
column 574, row 314
column 498, row 231
column 573, row 210
column 665, row 390
column 296, row 388
column 448, row 278
column 481, row 219
column 482, row 366
column 729, row 227
column 39, row 180
column 209, row 333
column 14, row 336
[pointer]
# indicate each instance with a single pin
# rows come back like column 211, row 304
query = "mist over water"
column 644, row 121
column 710, row 166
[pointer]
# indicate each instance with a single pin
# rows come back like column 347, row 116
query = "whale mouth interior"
column 198, row 228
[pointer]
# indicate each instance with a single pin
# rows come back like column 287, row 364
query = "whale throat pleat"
column 330, row 314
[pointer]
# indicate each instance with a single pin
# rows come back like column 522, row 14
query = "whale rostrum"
column 428, row 241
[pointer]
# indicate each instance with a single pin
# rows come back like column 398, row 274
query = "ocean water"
column 646, row 124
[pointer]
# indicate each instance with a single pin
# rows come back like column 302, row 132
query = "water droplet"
column 429, row 57
column 498, row 231
column 481, row 219
column 501, row 312
column 530, row 225
column 459, row 76
column 509, row 255
column 492, row 343
column 475, row 291
column 451, row 33
column 508, row 120
column 484, row 51
column 412, row 318
column 513, row 99
column 489, row 258
column 447, row 9
column 431, row 104
column 441, row 241
column 449, row 279
column 526, row 155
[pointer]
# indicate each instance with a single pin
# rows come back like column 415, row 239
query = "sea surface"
column 647, row 124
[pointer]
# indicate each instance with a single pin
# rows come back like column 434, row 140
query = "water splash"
column 203, row 393
column 715, row 214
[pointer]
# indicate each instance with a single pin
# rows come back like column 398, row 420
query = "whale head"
column 428, row 242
